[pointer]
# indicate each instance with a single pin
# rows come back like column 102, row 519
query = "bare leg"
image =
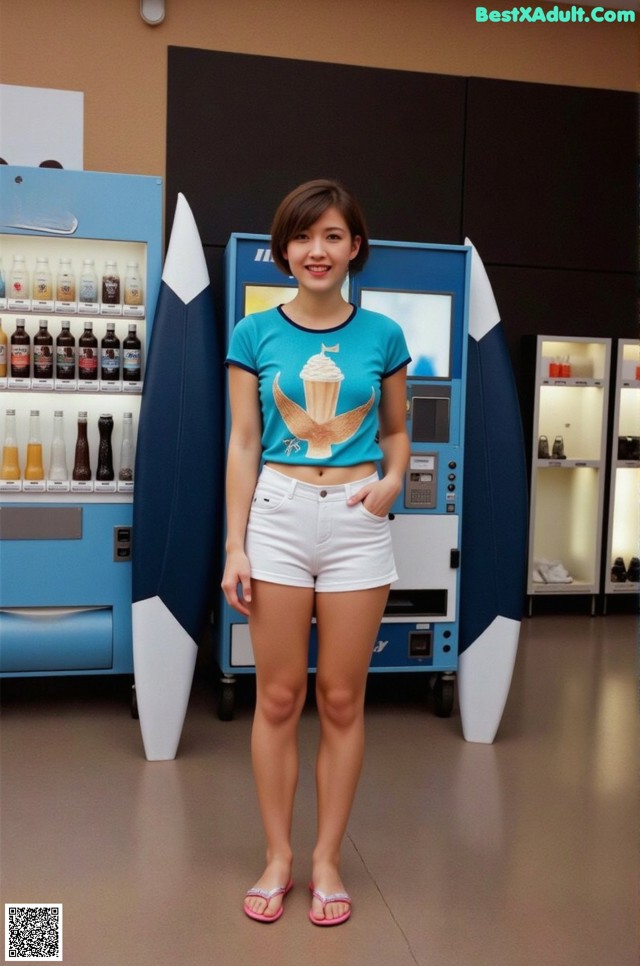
column 280, row 619
column 347, row 627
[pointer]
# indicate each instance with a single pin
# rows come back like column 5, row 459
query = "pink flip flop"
column 267, row 895
column 325, row 900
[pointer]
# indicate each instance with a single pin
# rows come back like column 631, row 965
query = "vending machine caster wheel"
column 134, row 703
column 443, row 693
column 226, row 701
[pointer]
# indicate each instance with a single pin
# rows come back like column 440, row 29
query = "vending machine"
column 80, row 264
column 425, row 289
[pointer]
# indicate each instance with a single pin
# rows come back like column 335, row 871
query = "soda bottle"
column 132, row 285
column 58, row 464
column 105, row 452
column 88, row 285
column 131, row 356
column 34, row 470
column 10, row 460
column 127, row 452
column 43, row 352
column 42, row 280
column 110, row 354
column 19, row 282
column 81, row 464
column 3, row 352
column 66, row 282
column 88, row 353
column 111, row 284
column 65, row 353
column 20, row 352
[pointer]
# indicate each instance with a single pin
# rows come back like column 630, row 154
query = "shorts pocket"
column 372, row 516
column 267, row 499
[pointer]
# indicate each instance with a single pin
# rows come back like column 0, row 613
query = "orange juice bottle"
column 10, row 462
column 34, row 469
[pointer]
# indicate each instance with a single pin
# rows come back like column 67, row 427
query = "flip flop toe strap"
column 267, row 894
column 333, row 897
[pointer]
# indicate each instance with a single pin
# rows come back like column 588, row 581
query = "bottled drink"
column 3, row 351
column 110, row 354
column 20, row 352
column 65, row 353
column 88, row 285
column 10, row 461
column 88, row 353
column 19, row 282
column 43, row 352
column 34, row 470
column 127, row 452
column 132, row 285
column 131, row 356
column 58, row 464
column 66, row 282
column 3, row 286
column 81, row 464
column 105, row 452
column 111, row 284
column 42, row 290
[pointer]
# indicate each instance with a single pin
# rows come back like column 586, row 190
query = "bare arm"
column 243, row 460
column 394, row 442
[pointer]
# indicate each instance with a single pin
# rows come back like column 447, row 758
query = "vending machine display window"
column 259, row 298
column 426, row 318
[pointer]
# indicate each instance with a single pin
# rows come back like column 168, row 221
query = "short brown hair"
column 304, row 205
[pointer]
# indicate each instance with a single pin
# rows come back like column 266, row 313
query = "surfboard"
column 495, row 519
column 178, row 486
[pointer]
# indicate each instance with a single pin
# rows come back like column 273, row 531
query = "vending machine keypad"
column 421, row 482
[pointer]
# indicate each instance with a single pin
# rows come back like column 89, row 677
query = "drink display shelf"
column 567, row 464
column 66, row 489
column 569, row 382
column 70, row 386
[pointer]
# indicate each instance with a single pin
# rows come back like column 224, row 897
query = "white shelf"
column 567, row 494
column 623, row 524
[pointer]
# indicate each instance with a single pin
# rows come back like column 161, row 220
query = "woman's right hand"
column 237, row 575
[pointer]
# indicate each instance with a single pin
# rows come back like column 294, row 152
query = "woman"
column 317, row 392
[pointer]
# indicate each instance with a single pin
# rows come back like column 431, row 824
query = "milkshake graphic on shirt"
column 318, row 425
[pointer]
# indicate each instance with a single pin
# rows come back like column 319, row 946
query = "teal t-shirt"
column 319, row 391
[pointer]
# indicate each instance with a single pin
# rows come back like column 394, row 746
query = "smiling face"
column 319, row 256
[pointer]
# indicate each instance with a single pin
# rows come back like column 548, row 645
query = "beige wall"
column 105, row 50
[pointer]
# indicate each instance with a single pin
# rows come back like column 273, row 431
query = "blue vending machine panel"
column 65, row 543
column 425, row 289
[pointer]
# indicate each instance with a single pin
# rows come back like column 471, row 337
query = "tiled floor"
column 519, row 853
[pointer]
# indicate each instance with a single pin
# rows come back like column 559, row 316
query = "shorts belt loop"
column 292, row 488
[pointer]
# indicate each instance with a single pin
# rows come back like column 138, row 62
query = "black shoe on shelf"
column 558, row 449
column 633, row 573
column 618, row 571
column 543, row 448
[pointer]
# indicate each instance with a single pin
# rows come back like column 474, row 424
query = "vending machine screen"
column 426, row 320
column 259, row 298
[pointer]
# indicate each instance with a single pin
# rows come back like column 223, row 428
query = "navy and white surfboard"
column 495, row 516
column 178, row 478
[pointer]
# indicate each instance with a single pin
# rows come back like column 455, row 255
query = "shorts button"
column 323, row 493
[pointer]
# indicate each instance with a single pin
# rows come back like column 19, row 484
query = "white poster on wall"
column 40, row 126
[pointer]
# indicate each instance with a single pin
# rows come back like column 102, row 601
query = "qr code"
column 33, row 932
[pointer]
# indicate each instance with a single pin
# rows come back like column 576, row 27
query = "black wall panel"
column 243, row 130
column 550, row 175
column 536, row 301
column 541, row 178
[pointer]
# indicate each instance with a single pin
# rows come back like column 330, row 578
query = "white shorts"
column 304, row 535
